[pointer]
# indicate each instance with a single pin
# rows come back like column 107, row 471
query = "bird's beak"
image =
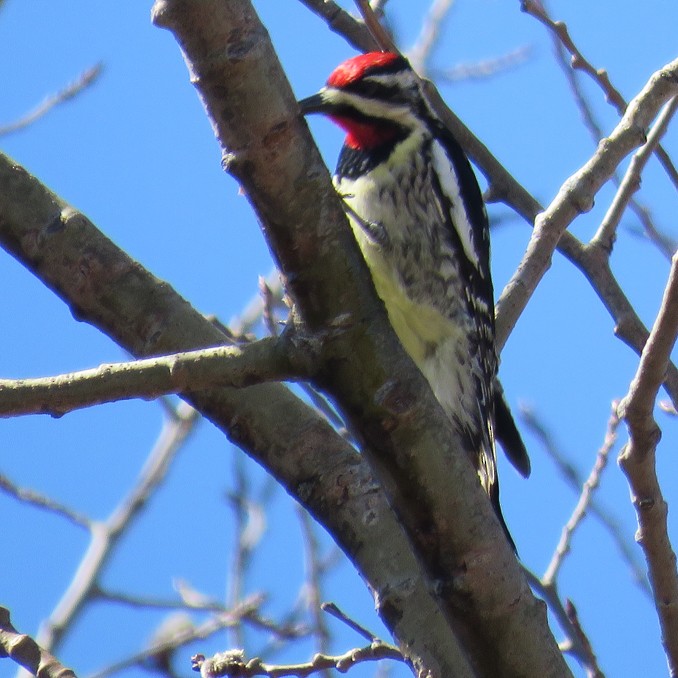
column 314, row 104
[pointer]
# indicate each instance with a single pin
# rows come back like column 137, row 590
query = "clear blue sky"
column 137, row 155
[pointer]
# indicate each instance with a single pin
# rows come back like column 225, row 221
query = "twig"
column 313, row 579
column 340, row 21
column 233, row 663
column 484, row 68
column 592, row 668
column 106, row 535
column 577, row 193
column 249, row 526
column 380, row 35
column 184, row 634
column 605, row 234
column 599, row 75
column 574, row 645
column 41, row 501
column 584, row 503
column 429, row 34
column 576, row 481
column 247, row 320
column 84, row 81
column 665, row 244
column 333, row 609
column 637, row 460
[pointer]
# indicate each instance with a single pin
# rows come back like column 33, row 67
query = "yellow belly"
column 422, row 329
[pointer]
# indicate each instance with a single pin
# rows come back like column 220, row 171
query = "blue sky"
column 137, row 155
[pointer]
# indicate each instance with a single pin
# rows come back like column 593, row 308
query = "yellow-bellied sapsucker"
column 418, row 215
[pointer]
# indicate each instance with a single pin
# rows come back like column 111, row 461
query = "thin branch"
column 575, row 480
column 233, row 663
column 340, row 21
column 584, row 503
column 577, row 193
column 41, row 501
column 269, row 359
column 379, row 33
column 247, row 320
column 592, row 668
column 605, row 234
column 485, row 68
column 536, row 9
column 106, row 535
column 184, row 635
column 312, row 587
column 637, row 460
column 84, row 81
column 574, row 644
column 665, row 244
column 333, row 609
column 429, row 34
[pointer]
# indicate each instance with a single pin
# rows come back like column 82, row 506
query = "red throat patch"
column 364, row 135
column 354, row 69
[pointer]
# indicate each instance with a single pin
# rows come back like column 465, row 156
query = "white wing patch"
column 449, row 185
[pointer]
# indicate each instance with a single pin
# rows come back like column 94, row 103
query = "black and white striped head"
column 374, row 97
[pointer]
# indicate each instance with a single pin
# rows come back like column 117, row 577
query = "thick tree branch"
column 637, row 460
column 107, row 289
column 26, row 652
column 410, row 442
column 272, row 359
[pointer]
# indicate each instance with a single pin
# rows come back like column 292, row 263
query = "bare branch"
column 106, row 535
column 637, row 460
column 575, row 481
column 577, row 193
column 379, row 33
column 584, row 502
column 484, row 68
column 268, row 359
column 182, row 634
column 592, row 668
column 41, row 501
column 599, row 75
column 233, row 663
column 429, row 34
column 340, row 21
column 605, row 234
column 86, row 79
column 27, row 653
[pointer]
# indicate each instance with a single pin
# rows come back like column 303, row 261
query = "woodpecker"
column 417, row 213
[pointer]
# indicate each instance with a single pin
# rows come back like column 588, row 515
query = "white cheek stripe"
column 450, row 186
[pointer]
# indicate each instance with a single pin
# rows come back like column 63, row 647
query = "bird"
column 417, row 213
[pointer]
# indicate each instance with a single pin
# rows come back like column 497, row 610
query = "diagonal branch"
column 599, row 75
column 27, row 653
column 293, row 443
column 577, row 193
column 637, row 460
